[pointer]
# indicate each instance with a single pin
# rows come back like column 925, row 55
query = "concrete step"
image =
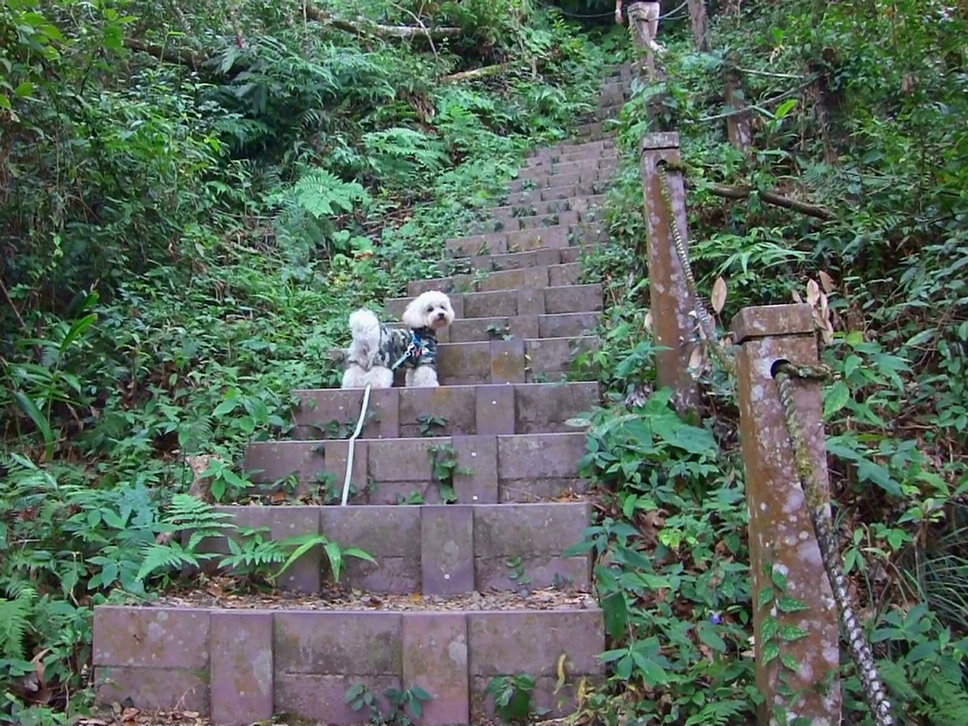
column 515, row 260
column 559, row 325
column 482, row 281
column 478, row 469
column 613, row 94
column 534, row 221
column 515, row 360
column 522, row 240
column 604, row 160
column 603, row 113
column 519, row 408
column 541, row 301
column 562, row 174
column 580, row 204
column 545, row 159
column 569, row 148
column 436, row 549
column 505, row 327
column 245, row 665
column 544, row 194
column 593, row 131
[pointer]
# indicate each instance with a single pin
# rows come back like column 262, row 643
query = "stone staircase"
column 466, row 495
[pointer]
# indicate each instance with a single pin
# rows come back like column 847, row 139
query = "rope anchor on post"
column 818, row 508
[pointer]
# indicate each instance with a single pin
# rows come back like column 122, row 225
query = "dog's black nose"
column 441, row 315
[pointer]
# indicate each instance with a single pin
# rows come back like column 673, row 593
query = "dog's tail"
column 365, row 328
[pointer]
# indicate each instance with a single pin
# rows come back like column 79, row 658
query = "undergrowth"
column 857, row 110
column 194, row 196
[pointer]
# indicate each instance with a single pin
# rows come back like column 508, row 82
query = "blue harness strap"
column 418, row 347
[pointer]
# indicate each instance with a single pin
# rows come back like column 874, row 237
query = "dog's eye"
column 430, row 309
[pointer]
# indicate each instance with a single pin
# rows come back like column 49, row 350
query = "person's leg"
column 652, row 11
column 638, row 19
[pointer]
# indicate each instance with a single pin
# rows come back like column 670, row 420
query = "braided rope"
column 702, row 314
column 818, row 508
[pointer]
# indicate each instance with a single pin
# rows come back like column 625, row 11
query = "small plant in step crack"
column 529, row 184
column 479, row 276
column 413, row 497
column 256, row 555
column 335, row 429
column 405, row 706
column 550, row 221
column 562, row 582
column 429, row 423
column 443, row 465
column 498, row 225
column 524, row 211
column 513, row 698
column 517, row 574
column 279, row 491
column 484, row 249
column 497, row 331
column 225, row 484
column 328, row 490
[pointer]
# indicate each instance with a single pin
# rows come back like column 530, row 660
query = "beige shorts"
column 644, row 11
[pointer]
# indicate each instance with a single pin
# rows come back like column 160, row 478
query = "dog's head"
column 430, row 310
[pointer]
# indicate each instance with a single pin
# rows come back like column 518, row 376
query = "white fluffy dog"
column 377, row 351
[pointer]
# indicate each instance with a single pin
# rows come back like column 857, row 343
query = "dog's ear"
column 337, row 355
column 413, row 316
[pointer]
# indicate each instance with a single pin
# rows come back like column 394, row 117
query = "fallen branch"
column 743, row 192
column 166, row 53
column 483, row 72
column 363, row 27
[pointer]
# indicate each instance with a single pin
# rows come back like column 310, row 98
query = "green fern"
column 321, row 193
column 946, row 701
column 720, row 713
column 186, row 514
column 165, row 557
column 13, row 623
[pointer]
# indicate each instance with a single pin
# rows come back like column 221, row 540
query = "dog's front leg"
column 422, row 377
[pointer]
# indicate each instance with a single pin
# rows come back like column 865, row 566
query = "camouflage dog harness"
column 407, row 348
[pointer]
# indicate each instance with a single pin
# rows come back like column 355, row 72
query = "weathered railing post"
column 738, row 129
column 795, row 669
column 700, row 24
column 669, row 297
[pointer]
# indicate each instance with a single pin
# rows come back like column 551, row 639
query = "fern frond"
column 164, row 557
column 720, row 713
column 13, row 623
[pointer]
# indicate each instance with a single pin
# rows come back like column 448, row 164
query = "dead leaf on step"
column 813, row 292
column 719, row 295
column 826, row 282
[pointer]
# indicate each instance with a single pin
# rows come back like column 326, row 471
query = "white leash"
column 349, row 454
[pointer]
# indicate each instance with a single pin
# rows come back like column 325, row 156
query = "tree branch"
column 482, row 72
column 363, row 27
column 166, row 53
column 770, row 197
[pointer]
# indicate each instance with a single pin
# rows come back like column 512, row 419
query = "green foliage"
column 512, row 697
column 194, row 196
column 443, row 467
column 402, row 707
column 861, row 127
column 670, row 570
column 924, row 670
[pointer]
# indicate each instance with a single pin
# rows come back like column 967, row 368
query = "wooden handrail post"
column 738, row 128
column 669, row 297
column 784, row 554
column 700, row 24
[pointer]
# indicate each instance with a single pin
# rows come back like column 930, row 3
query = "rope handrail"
column 818, row 507
column 815, row 496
